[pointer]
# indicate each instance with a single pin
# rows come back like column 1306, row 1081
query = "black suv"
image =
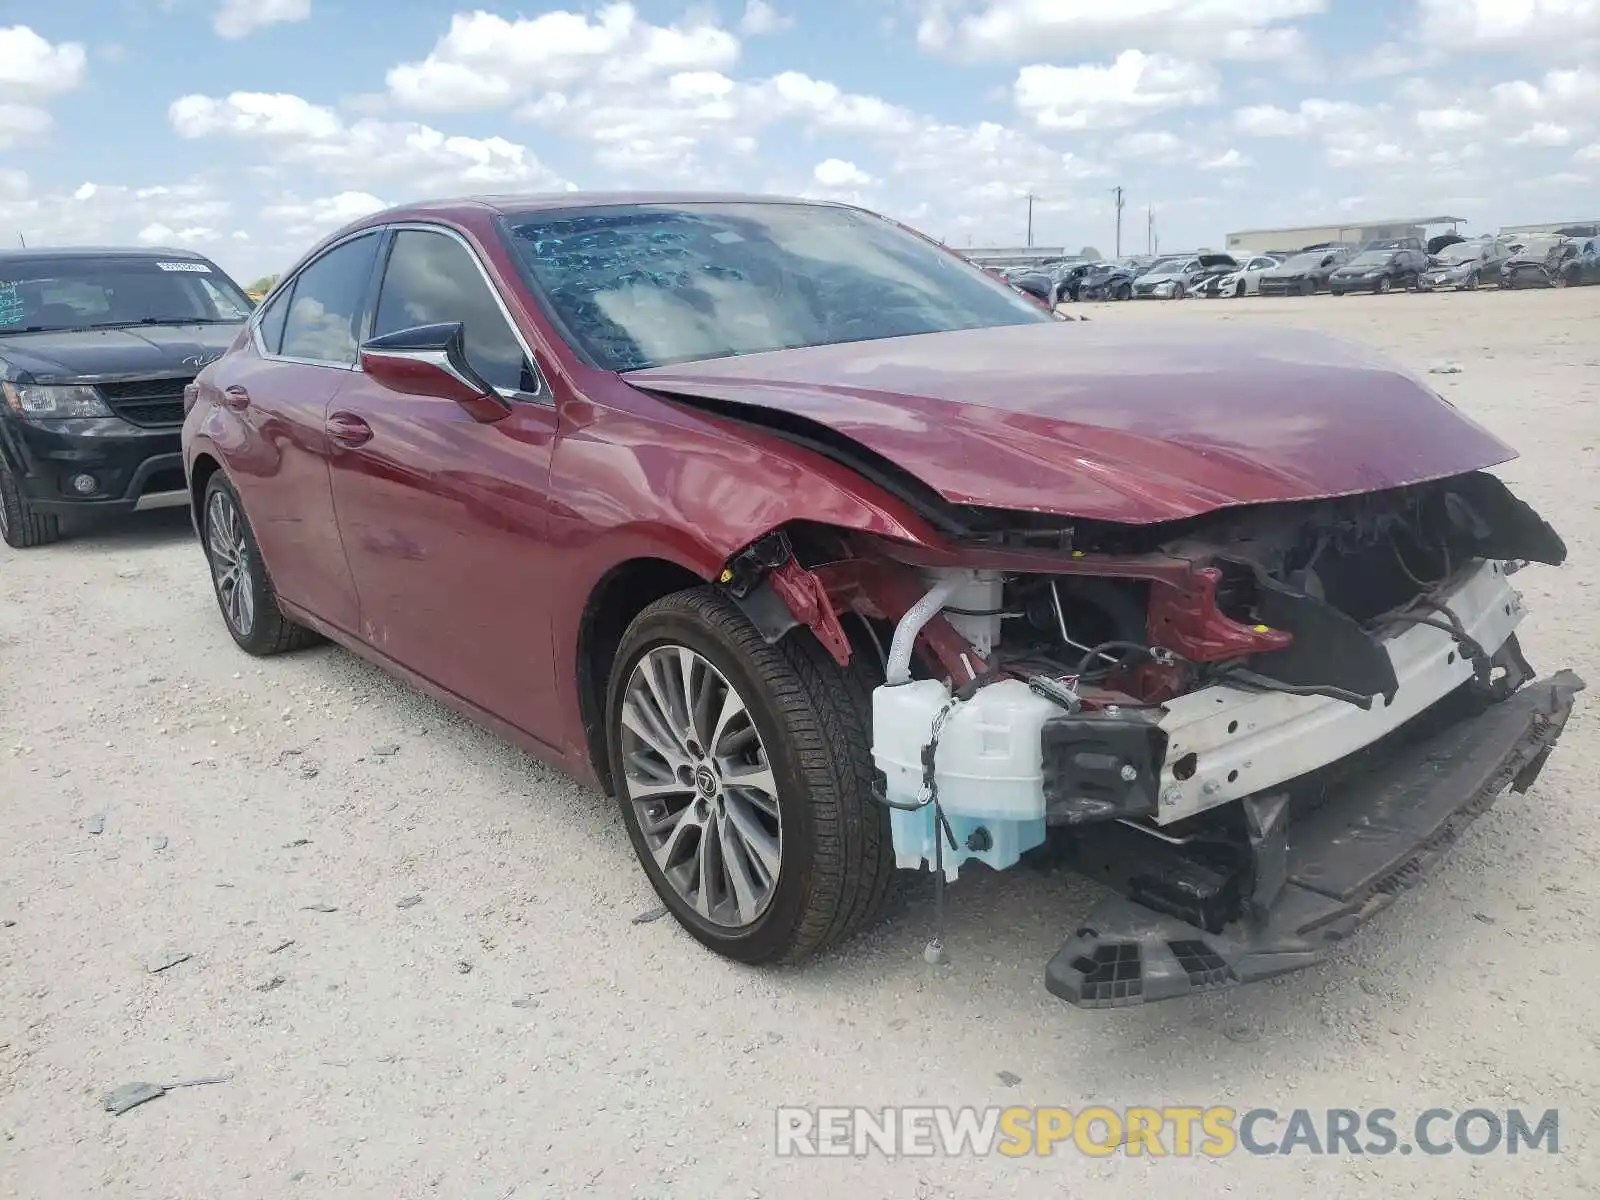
column 1381, row 266
column 96, row 346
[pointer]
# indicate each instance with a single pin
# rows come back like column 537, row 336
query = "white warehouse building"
column 1261, row 241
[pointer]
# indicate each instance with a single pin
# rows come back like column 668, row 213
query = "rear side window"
column 432, row 279
column 323, row 309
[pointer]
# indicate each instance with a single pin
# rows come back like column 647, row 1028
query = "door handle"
column 347, row 429
column 236, row 397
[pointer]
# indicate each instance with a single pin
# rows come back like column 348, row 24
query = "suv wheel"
column 744, row 771
column 1125, row 292
column 1382, row 286
column 20, row 527
column 244, row 592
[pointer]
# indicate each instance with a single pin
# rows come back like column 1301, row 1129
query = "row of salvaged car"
column 1447, row 263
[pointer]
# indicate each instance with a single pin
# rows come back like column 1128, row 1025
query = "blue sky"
column 248, row 128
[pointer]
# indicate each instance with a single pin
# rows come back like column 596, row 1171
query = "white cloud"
column 1437, row 121
column 32, row 68
column 369, row 151
column 240, row 18
column 1018, row 29
column 322, row 215
column 253, row 114
column 837, row 173
column 1587, row 154
column 20, row 123
column 1099, row 96
column 13, row 184
column 761, row 19
column 1148, row 143
column 157, row 234
column 1554, row 27
column 487, row 61
column 1268, row 120
column 1228, row 160
column 1543, row 134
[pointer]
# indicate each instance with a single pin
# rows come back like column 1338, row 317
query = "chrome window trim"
column 541, row 394
column 287, row 285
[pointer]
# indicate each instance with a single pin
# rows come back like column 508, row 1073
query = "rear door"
column 305, row 352
column 445, row 518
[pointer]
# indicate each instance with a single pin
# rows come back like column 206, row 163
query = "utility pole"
column 23, row 240
column 1117, row 192
column 1030, row 218
column 1150, row 229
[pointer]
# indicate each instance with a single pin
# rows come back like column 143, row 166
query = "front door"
column 444, row 519
column 278, row 460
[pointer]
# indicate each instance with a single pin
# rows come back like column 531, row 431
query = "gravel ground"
column 414, row 950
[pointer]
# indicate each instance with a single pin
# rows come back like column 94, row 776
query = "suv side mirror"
column 431, row 360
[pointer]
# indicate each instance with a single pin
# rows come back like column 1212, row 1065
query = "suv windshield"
column 79, row 292
column 637, row 286
column 1371, row 258
column 1459, row 253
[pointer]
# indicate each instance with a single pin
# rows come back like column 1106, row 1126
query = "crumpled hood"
column 1109, row 421
column 90, row 355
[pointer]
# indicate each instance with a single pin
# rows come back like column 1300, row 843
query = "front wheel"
column 744, row 774
column 1125, row 292
column 239, row 576
column 1308, row 288
column 1470, row 284
column 1238, row 290
column 20, row 527
column 1382, row 286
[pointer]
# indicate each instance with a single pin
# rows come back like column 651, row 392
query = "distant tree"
column 1090, row 254
column 262, row 286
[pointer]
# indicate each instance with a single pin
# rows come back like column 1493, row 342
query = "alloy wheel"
column 701, row 786
column 228, row 550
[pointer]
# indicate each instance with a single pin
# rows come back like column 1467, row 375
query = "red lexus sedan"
column 826, row 553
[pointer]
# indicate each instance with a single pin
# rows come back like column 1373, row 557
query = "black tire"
column 1308, row 288
column 20, row 527
column 1125, row 292
column 1381, row 288
column 1470, row 283
column 267, row 631
column 815, row 720
column 1238, row 290
column 1179, row 292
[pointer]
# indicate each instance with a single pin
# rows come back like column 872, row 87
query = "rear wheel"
column 20, row 527
column 744, row 771
column 244, row 592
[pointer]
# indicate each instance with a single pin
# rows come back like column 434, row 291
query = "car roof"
column 510, row 205
column 31, row 253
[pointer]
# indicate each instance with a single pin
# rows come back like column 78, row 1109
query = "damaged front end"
column 1257, row 726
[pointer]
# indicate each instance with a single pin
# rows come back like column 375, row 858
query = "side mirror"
column 431, row 360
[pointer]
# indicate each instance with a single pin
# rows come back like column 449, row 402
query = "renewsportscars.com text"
column 1172, row 1131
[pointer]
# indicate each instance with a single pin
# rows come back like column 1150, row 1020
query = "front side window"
column 72, row 292
column 636, row 286
column 432, row 279
column 326, row 303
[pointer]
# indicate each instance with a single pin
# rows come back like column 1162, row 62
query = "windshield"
column 638, row 286
column 1371, row 258
column 1166, row 266
column 1306, row 262
column 1459, row 253
column 1538, row 247
column 47, row 294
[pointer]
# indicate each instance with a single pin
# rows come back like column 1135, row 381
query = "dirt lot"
column 514, row 1033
